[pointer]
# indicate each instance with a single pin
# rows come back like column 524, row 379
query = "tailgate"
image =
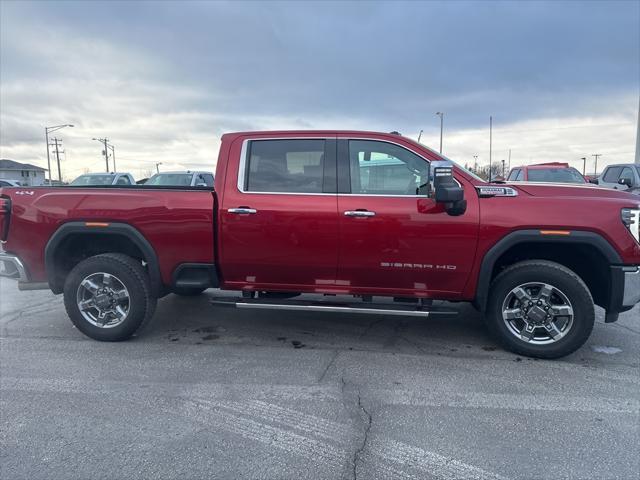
column 5, row 215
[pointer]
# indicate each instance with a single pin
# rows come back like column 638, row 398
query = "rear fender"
column 56, row 283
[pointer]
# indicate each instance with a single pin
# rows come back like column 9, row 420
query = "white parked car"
column 182, row 179
column 5, row 182
column 100, row 179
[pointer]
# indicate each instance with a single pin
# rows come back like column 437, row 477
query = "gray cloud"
column 165, row 79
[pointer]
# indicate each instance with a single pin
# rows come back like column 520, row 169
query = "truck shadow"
column 194, row 320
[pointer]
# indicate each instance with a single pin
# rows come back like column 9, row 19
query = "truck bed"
column 176, row 221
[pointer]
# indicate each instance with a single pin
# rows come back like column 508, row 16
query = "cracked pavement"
column 210, row 392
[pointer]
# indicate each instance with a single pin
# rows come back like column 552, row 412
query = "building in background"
column 28, row 175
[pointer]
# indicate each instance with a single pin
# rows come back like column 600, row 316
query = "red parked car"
column 333, row 212
column 553, row 172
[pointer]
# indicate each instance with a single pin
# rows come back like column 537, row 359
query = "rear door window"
column 560, row 175
column 285, row 166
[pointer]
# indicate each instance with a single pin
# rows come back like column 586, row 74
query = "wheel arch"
column 124, row 237
column 563, row 249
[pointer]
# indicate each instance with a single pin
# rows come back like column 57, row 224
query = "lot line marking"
column 438, row 466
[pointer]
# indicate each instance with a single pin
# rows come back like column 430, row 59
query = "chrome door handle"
column 359, row 213
column 242, row 210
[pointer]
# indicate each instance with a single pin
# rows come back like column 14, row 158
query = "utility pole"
column 503, row 163
column 509, row 166
column 475, row 164
column 56, row 143
column 441, row 115
column 595, row 169
column 48, row 130
column 105, row 142
column 490, row 143
column 584, row 166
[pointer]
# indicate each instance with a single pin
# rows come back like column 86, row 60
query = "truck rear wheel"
column 540, row 309
column 108, row 297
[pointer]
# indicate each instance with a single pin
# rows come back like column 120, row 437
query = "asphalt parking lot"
column 211, row 392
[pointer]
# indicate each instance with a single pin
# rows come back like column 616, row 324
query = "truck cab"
column 625, row 177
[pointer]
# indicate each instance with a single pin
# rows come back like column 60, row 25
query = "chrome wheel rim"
column 537, row 313
column 103, row 300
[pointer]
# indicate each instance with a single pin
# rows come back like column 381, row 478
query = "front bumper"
column 631, row 292
column 12, row 267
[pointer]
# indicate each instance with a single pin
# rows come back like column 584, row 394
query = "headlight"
column 631, row 219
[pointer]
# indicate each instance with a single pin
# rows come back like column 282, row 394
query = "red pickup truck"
column 333, row 212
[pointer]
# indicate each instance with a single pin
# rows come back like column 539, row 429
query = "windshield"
column 468, row 172
column 175, row 179
column 93, row 180
column 556, row 175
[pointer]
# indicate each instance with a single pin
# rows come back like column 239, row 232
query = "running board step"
column 321, row 306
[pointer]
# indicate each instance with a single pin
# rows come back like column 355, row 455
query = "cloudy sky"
column 164, row 80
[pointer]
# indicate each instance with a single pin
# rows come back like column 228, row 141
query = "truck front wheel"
column 108, row 297
column 540, row 309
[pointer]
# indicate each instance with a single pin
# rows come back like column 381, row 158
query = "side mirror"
column 448, row 191
column 625, row 181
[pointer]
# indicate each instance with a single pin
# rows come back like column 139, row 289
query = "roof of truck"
column 547, row 165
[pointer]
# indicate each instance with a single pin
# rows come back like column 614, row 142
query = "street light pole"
column 46, row 137
column 420, row 135
column 490, row 143
column 475, row 164
column 47, row 130
column 56, row 143
column 441, row 115
column 157, row 167
column 584, row 165
column 595, row 168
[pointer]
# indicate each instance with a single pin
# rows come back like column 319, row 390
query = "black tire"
column 553, row 274
column 188, row 291
column 132, row 275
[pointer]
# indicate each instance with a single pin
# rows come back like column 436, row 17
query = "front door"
column 394, row 239
column 279, row 223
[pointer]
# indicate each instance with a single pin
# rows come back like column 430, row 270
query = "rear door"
column 279, row 226
column 394, row 239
